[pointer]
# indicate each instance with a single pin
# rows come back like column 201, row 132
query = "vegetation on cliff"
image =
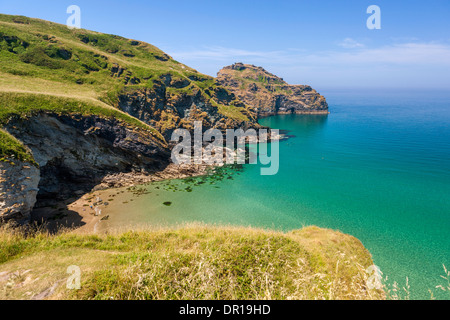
column 24, row 105
column 194, row 262
column 12, row 149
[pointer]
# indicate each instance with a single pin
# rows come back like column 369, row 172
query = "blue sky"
column 324, row 43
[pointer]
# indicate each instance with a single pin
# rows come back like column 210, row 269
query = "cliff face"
column 74, row 153
column 18, row 189
column 165, row 109
column 267, row 94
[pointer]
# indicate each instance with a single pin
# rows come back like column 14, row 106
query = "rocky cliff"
column 166, row 109
column 80, row 107
column 267, row 94
column 18, row 189
column 73, row 154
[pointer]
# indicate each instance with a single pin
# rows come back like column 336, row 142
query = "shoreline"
column 316, row 112
column 79, row 213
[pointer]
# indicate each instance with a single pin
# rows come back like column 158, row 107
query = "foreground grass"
column 194, row 262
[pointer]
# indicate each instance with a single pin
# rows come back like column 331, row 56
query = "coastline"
column 79, row 213
column 312, row 112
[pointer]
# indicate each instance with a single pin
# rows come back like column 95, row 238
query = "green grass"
column 193, row 262
column 230, row 111
column 26, row 105
column 42, row 50
column 23, row 105
column 11, row 149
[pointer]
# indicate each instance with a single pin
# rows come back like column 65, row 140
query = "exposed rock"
column 47, row 292
column 167, row 112
column 162, row 57
column 76, row 152
column 18, row 190
column 267, row 94
column 172, row 171
column 116, row 70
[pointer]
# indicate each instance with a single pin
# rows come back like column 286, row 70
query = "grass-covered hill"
column 46, row 66
column 194, row 262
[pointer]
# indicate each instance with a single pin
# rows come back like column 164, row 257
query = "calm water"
column 377, row 167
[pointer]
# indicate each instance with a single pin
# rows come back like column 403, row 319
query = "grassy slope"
column 12, row 149
column 86, row 70
column 195, row 262
column 50, row 62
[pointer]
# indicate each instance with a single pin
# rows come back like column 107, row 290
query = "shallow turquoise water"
column 377, row 167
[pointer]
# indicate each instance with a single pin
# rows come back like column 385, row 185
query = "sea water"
column 377, row 167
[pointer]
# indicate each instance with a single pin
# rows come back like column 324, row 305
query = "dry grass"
column 192, row 262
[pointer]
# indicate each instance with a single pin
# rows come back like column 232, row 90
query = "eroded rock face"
column 18, row 190
column 267, row 94
column 167, row 112
column 75, row 152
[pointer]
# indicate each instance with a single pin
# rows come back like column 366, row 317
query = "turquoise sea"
column 377, row 167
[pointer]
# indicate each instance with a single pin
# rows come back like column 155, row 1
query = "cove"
column 377, row 167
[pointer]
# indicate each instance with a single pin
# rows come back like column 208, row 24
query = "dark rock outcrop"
column 75, row 152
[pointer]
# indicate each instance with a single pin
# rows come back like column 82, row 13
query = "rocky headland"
column 266, row 94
